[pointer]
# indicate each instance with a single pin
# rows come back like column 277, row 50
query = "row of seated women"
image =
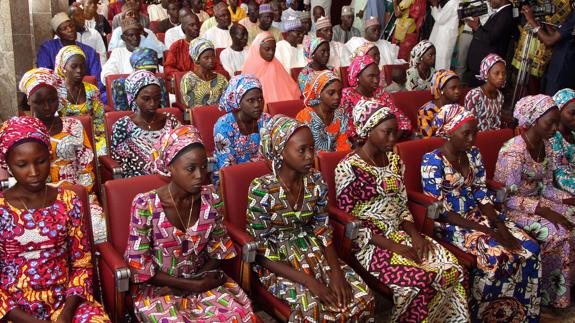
column 177, row 238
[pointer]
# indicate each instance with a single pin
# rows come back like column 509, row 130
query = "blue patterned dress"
column 564, row 159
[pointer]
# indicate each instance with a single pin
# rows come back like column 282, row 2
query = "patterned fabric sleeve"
column 347, row 187
column 561, row 163
column 80, row 280
column 403, row 122
column 165, row 100
column 473, row 101
column 405, row 214
column 118, row 139
column 224, row 153
column 432, row 179
column 405, row 4
column 550, row 191
column 259, row 221
column 140, row 241
column 348, row 100
column 425, row 117
column 508, row 171
column 411, row 76
column 85, row 157
column 187, row 86
column 119, row 97
column 320, row 223
column 479, row 187
column 7, row 303
column 220, row 245
column 98, row 118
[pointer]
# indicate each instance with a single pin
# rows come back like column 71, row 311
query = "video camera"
column 472, row 9
column 547, row 8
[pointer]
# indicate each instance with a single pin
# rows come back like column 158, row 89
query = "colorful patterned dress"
column 425, row 116
column 92, row 107
column 72, row 161
column 132, row 146
column 505, row 285
column 120, row 99
column 296, row 238
column 564, row 159
column 231, row 146
column 532, row 186
column 431, row 291
column 306, row 72
column 486, row 110
column 46, row 258
column 414, row 82
column 327, row 138
column 156, row 245
column 350, row 96
column 196, row 91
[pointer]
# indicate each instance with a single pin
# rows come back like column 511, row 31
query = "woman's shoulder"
column 142, row 200
column 92, row 91
column 432, row 157
column 514, row 145
column 122, row 123
column 305, row 114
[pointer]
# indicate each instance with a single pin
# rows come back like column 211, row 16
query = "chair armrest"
column 248, row 243
column 434, row 207
column 112, row 166
column 352, row 225
column 501, row 191
column 111, row 258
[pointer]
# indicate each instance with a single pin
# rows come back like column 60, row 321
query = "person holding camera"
column 562, row 63
column 492, row 37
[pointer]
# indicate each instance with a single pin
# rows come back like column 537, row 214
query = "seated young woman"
column 525, row 164
column 134, row 136
column 563, row 141
column 237, row 133
column 421, row 66
column 505, row 283
column 72, row 159
column 445, row 89
column 287, row 216
column 426, row 279
column 316, row 51
column 323, row 113
column 178, row 240
column 46, row 266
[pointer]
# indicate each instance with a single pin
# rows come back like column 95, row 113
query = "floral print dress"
column 156, row 245
column 46, row 258
column 564, row 163
column 92, row 107
column 532, row 185
column 332, row 137
column 425, row 117
column 196, row 91
column 431, row 291
column 305, row 74
column 505, row 284
column 132, row 146
column 414, row 82
column 297, row 238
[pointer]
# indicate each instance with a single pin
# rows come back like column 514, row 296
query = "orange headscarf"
column 277, row 84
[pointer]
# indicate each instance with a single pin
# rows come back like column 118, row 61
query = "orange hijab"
column 277, row 84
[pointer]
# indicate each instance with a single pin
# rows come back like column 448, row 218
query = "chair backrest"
column 344, row 74
column 161, row 36
column 410, row 101
column 219, row 52
column 154, row 26
column 109, row 119
column 119, row 195
column 90, row 79
column 294, row 71
column 109, row 79
column 327, row 162
column 411, row 154
column 462, row 95
column 177, row 77
column 489, row 144
column 289, row 108
column 235, row 183
column 388, row 69
column 204, row 118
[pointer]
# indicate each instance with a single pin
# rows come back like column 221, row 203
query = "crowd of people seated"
column 183, row 91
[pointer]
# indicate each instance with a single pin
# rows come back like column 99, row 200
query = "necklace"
column 149, row 124
column 368, row 157
column 43, row 201
column 77, row 98
column 289, row 191
column 178, row 212
column 533, row 147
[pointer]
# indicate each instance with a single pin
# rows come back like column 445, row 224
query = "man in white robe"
column 233, row 57
column 219, row 35
column 290, row 51
column 336, row 49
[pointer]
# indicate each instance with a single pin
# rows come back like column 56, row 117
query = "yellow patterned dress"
column 196, row 91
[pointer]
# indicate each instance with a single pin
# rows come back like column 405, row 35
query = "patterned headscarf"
column 564, row 97
column 310, row 45
column 274, row 136
column 198, row 46
column 144, row 59
column 136, row 82
column 170, row 144
column 418, row 51
column 362, row 50
column 21, row 129
column 64, row 56
column 486, row 65
column 440, row 78
column 357, row 66
column 37, row 78
column 367, row 114
column 316, row 84
column 239, row 85
column 449, row 118
column 528, row 109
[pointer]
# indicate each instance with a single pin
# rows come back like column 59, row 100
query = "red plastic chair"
column 294, row 71
column 289, row 108
column 235, row 182
column 204, row 119
column 344, row 74
column 114, row 271
column 154, row 26
column 90, row 79
column 177, row 80
column 410, row 101
column 161, row 37
column 411, row 153
column 489, row 144
column 388, row 69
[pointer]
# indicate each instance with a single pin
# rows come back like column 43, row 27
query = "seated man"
column 253, row 15
column 345, row 30
column 264, row 24
column 316, row 13
column 196, row 6
column 116, row 8
column 291, row 11
column 173, row 19
column 323, row 30
column 388, row 52
column 219, row 34
column 86, row 35
column 148, row 39
column 66, row 34
column 131, row 9
column 290, row 51
column 176, row 33
column 233, row 57
column 178, row 56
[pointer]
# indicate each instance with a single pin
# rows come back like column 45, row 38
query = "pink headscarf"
column 277, row 84
column 21, row 129
column 357, row 66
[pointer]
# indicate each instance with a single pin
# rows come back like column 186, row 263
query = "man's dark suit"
column 493, row 37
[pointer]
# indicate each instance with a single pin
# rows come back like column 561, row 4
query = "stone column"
column 8, row 106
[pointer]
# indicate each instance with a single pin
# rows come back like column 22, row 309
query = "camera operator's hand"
column 473, row 23
column 528, row 13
